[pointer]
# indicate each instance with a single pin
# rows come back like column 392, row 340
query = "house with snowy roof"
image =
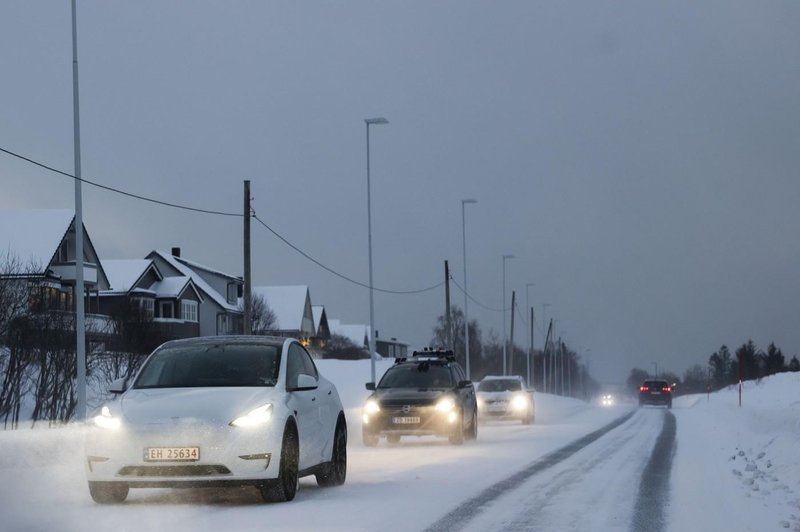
column 218, row 309
column 141, row 292
column 291, row 306
column 359, row 335
column 37, row 247
column 322, row 331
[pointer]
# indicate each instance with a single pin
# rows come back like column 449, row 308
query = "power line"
column 337, row 274
column 475, row 300
column 118, row 191
column 218, row 213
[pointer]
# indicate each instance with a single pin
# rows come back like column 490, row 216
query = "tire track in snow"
column 457, row 518
column 648, row 514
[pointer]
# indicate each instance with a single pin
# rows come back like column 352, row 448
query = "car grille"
column 174, row 471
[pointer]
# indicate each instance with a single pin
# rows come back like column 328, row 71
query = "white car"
column 505, row 398
column 219, row 411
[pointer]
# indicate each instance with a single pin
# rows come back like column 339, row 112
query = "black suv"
column 425, row 394
column 655, row 392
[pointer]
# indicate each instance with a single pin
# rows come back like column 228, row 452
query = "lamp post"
column 544, row 349
column 369, row 122
column 504, row 311
column 530, row 332
column 464, row 248
column 656, row 365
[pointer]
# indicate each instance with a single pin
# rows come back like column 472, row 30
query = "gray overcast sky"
column 639, row 159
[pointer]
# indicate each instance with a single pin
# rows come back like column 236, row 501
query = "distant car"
column 655, row 392
column 219, row 411
column 505, row 398
column 425, row 394
column 607, row 400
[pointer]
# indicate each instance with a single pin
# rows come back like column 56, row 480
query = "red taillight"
column 644, row 389
column 666, row 389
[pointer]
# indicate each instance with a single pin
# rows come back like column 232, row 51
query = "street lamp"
column 504, row 310
column 544, row 349
column 530, row 331
column 464, row 248
column 369, row 122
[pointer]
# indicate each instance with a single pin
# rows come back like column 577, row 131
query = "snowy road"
column 592, row 483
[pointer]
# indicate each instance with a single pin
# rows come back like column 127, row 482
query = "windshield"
column 200, row 366
column 424, row 375
column 500, row 385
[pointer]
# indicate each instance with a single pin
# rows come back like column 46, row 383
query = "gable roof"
column 125, row 274
column 33, row 235
column 319, row 312
column 174, row 287
column 358, row 334
column 288, row 303
column 198, row 281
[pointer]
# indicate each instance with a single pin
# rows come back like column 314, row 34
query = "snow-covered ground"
column 734, row 469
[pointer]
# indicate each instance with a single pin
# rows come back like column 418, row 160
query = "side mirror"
column 305, row 382
column 117, row 386
column 464, row 384
column 370, row 386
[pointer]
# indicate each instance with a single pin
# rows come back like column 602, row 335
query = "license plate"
column 405, row 420
column 655, row 393
column 171, row 454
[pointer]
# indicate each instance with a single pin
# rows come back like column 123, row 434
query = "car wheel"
column 456, row 437
column 336, row 470
column 669, row 405
column 284, row 487
column 528, row 419
column 393, row 438
column 108, row 492
column 473, row 428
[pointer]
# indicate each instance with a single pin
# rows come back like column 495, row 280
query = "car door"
column 304, row 404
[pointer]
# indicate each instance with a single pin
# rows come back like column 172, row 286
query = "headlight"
column 106, row 420
column 445, row 404
column 519, row 402
column 372, row 406
column 255, row 417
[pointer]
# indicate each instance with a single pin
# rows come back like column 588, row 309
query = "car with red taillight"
column 655, row 392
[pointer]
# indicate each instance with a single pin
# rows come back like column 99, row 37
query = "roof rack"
column 430, row 353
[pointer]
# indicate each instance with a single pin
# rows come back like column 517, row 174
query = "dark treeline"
column 723, row 369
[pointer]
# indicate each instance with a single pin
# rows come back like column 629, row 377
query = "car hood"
column 210, row 405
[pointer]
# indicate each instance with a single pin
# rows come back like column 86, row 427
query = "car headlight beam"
column 519, row 402
column 106, row 420
column 445, row 404
column 372, row 407
column 255, row 417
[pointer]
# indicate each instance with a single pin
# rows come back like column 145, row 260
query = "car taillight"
column 666, row 389
column 644, row 389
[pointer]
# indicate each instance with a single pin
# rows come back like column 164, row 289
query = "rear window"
column 656, row 384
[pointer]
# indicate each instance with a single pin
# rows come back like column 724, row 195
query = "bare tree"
column 264, row 319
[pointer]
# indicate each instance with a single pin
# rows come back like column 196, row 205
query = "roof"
column 174, row 287
column 33, row 235
column 288, row 303
column 198, row 266
column 317, row 311
column 356, row 333
column 199, row 282
column 123, row 274
column 229, row 339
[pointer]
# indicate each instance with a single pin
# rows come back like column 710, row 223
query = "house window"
column 233, row 292
column 166, row 309
column 189, row 310
column 148, row 306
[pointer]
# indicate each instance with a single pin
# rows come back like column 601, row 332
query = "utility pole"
column 511, row 344
column 448, row 320
column 531, row 357
column 248, row 295
column 80, row 288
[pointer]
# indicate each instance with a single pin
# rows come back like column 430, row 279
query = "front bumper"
column 413, row 421
column 228, row 455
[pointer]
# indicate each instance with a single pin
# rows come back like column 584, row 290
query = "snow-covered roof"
column 288, row 303
column 317, row 311
column 33, row 235
column 123, row 274
column 199, row 282
column 358, row 334
column 198, row 266
column 174, row 286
